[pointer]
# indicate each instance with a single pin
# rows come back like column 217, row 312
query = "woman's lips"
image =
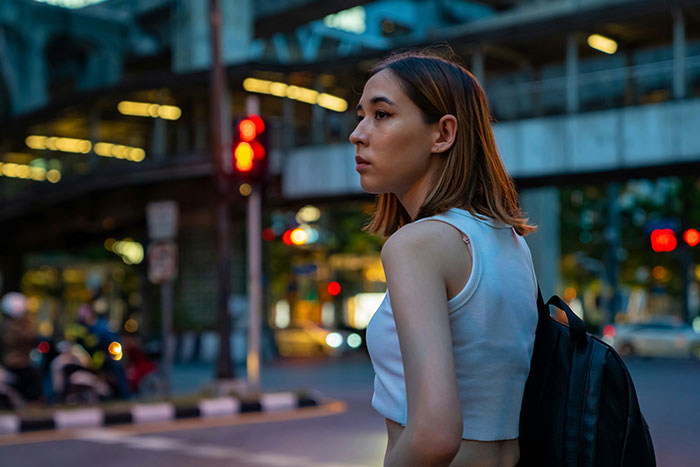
column 361, row 163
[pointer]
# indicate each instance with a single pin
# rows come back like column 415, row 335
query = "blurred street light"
column 602, row 43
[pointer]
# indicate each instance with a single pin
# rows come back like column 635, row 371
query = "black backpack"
column 579, row 407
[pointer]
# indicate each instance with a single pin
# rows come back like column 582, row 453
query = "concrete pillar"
column 191, row 41
column 191, row 35
column 541, row 206
column 572, row 72
column 237, row 30
column 678, row 54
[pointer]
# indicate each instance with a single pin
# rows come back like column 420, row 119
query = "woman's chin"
column 370, row 188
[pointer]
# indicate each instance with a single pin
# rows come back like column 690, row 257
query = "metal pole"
column 224, row 368
column 255, row 291
column 166, row 296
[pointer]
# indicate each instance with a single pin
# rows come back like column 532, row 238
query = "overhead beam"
column 280, row 16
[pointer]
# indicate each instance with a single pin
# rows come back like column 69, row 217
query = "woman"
column 451, row 342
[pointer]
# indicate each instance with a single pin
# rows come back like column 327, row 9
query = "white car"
column 657, row 338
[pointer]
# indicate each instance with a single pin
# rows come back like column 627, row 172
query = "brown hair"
column 473, row 175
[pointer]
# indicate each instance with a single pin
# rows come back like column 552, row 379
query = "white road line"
column 206, row 451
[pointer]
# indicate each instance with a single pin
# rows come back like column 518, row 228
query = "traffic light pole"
column 224, row 367
column 255, row 291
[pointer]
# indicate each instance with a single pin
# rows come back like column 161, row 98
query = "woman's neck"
column 414, row 197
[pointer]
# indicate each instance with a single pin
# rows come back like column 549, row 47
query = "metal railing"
column 597, row 90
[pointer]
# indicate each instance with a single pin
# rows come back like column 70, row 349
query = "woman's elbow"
column 441, row 445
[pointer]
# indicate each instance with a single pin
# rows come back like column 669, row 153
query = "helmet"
column 14, row 304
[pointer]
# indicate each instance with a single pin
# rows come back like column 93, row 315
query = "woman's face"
column 392, row 137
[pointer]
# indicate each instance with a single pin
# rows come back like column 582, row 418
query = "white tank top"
column 492, row 319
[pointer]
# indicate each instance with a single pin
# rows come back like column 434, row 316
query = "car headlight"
column 334, row 339
column 354, row 340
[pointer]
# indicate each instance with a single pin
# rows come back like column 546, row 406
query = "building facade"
column 105, row 109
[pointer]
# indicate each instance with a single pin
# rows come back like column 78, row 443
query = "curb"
column 94, row 417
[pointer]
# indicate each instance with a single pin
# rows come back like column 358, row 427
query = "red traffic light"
column 258, row 150
column 663, row 240
column 247, row 130
column 259, row 124
column 333, row 288
column 691, row 237
column 249, row 149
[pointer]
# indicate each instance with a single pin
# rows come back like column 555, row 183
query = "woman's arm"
column 415, row 279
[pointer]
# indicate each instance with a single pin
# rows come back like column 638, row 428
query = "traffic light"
column 249, row 143
column 663, row 240
column 297, row 236
column 691, row 237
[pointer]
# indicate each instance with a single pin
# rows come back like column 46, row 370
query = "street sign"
column 162, row 218
column 162, row 261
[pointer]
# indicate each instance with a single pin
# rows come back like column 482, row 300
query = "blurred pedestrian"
column 98, row 340
column 18, row 337
column 451, row 342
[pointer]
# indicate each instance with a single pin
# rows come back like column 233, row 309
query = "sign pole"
column 166, row 293
column 255, row 291
column 162, row 218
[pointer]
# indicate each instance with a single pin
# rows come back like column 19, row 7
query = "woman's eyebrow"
column 376, row 99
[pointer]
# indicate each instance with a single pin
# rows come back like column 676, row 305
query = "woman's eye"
column 380, row 114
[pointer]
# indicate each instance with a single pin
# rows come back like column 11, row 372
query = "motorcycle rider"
column 18, row 337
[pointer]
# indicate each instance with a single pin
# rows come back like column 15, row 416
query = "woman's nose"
column 358, row 135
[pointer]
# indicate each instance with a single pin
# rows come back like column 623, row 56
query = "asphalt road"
column 342, row 434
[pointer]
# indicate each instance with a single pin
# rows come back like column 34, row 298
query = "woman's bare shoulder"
column 429, row 230
column 432, row 239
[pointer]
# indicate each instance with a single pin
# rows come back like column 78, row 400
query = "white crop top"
column 492, row 319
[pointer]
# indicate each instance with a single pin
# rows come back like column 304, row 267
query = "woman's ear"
column 447, row 132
